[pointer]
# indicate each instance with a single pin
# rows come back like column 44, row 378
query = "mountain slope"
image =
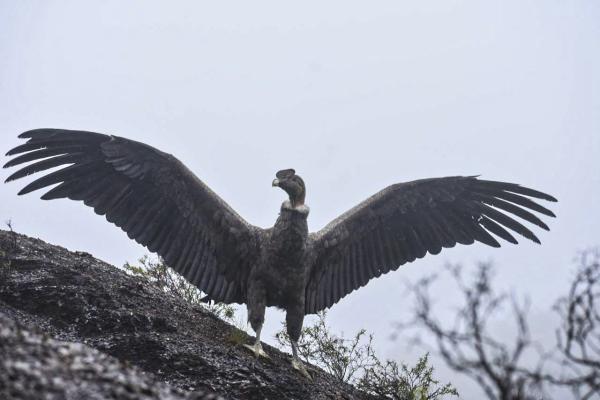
column 77, row 298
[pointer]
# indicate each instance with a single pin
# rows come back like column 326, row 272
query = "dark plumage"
column 162, row 205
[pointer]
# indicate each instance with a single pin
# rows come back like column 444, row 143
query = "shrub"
column 157, row 272
column 353, row 360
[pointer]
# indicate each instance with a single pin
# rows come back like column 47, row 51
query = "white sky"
column 353, row 97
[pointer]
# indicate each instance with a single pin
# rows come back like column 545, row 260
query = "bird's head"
column 292, row 184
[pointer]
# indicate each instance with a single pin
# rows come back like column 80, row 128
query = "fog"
column 353, row 97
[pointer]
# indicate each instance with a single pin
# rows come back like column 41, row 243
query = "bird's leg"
column 257, row 347
column 256, row 315
column 297, row 363
column 294, row 319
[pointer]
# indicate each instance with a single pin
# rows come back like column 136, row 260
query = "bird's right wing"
column 153, row 197
column 406, row 221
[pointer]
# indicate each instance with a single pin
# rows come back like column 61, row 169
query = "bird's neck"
column 297, row 201
column 301, row 208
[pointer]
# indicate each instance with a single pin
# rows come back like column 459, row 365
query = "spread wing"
column 406, row 221
column 153, row 197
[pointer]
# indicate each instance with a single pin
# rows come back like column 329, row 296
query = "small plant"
column 237, row 336
column 13, row 235
column 341, row 357
column 354, row 361
column 399, row 382
column 157, row 272
column 9, row 244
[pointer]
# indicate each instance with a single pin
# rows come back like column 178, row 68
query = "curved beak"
column 275, row 182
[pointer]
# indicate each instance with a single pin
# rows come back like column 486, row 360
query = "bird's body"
column 281, row 275
column 285, row 262
column 162, row 205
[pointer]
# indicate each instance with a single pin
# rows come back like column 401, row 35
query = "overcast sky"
column 353, row 97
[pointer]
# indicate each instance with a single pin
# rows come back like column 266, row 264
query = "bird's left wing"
column 150, row 195
column 406, row 221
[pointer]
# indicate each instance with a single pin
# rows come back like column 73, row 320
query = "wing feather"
column 497, row 229
column 406, row 221
column 149, row 194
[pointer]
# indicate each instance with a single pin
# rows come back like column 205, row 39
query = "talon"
column 297, row 364
column 257, row 350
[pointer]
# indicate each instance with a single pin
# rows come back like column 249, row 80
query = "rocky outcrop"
column 75, row 327
column 35, row 366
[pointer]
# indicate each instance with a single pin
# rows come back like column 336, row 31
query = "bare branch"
column 470, row 347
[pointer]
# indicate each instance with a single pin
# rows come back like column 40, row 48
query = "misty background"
column 353, row 96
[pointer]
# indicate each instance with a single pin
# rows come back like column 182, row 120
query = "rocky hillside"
column 72, row 326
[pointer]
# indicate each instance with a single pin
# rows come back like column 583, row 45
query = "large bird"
column 162, row 205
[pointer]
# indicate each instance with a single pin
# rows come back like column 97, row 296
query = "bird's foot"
column 257, row 350
column 299, row 366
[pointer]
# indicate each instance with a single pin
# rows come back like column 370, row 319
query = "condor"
column 162, row 205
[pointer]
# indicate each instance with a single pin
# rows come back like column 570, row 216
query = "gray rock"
column 88, row 330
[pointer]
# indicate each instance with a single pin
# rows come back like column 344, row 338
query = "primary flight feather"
column 162, row 205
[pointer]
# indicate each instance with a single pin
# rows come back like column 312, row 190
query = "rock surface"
column 35, row 366
column 129, row 340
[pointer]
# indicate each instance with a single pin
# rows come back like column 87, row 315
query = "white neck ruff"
column 303, row 208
